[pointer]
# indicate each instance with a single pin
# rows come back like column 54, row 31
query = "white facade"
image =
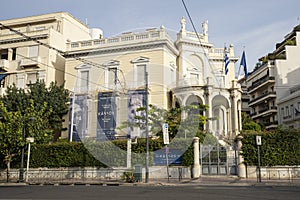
column 288, row 83
column 202, row 79
column 273, row 86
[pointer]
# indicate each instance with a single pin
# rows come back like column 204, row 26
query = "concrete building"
column 260, row 84
column 273, row 85
column 24, row 60
column 287, row 80
column 113, row 70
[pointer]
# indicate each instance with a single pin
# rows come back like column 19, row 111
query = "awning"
column 2, row 76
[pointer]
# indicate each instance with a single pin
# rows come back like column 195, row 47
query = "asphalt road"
column 83, row 192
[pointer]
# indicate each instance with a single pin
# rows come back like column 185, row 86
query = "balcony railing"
column 259, row 82
column 26, row 62
column 262, row 98
column 264, row 112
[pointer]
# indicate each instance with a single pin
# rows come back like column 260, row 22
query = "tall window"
column 84, row 80
column 140, row 75
column 139, row 67
column 111, row 74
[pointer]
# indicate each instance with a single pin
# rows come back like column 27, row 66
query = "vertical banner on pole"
column 80, row 117
column 106, row 116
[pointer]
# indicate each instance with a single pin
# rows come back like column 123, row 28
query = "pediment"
column 83, row 66
column 140, row 59
column 112, row 63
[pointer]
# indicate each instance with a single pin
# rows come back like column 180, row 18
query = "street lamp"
column 21, row 175
column 29, row 140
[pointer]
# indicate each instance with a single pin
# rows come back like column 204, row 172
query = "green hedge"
column 91, row 153
column 281, row 147
column 77, row 154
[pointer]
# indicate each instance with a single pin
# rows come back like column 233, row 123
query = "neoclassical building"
column 107, row 76
column 110, row 75
column 202, row 79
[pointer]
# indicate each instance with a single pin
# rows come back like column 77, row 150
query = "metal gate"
column 217, row 160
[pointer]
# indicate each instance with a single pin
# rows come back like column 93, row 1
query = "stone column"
column 241, row 166
column 196, row 167
column 208, row 99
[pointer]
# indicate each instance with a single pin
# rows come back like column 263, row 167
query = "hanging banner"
column 106, row 116
column 136, row 119
column 80, row 117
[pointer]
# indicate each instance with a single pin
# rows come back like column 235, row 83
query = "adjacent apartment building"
column 24, row 60
column 273, row 86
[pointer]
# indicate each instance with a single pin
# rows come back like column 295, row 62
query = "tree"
column 15, row 128
column 11, row 135
column 190, row 126
column 249, row 124
column 54, row 99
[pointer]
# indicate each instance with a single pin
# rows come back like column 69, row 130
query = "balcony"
column 262, row 98
column 30, row 62
column 4, row 64
column 264, row 112
column 261, row 82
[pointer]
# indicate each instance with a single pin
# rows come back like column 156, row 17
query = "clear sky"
column 256, row 25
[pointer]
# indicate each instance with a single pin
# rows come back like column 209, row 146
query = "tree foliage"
column 52, row 99
column 249, row 124
column 189, row 126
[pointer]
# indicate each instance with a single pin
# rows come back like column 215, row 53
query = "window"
column 139, row 68
column 140, row 75
column 20, row 80
column 31, row 78
column 287, row 111
column 112, row 77
column 111, row 74
column 33, row 51
column 83, row 78
column 84, row 81
column 14, row 54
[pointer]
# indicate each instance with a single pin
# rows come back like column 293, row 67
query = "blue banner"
column 174, row 157
column 80, row 117
column 106, row 116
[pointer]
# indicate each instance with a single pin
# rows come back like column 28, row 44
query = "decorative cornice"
column 114, row 49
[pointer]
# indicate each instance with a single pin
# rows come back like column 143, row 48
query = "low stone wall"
column 71, row 175
column 274, row 173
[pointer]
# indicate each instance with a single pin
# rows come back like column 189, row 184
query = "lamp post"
column 21, row 173
column 29, row 140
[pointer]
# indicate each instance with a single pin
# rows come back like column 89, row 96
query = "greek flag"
column 226, row 61
column 243, row 63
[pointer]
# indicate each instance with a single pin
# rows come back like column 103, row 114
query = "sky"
column 254, row 26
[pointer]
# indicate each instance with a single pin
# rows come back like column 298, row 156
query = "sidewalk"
column 202, row 181
column 224, row 181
